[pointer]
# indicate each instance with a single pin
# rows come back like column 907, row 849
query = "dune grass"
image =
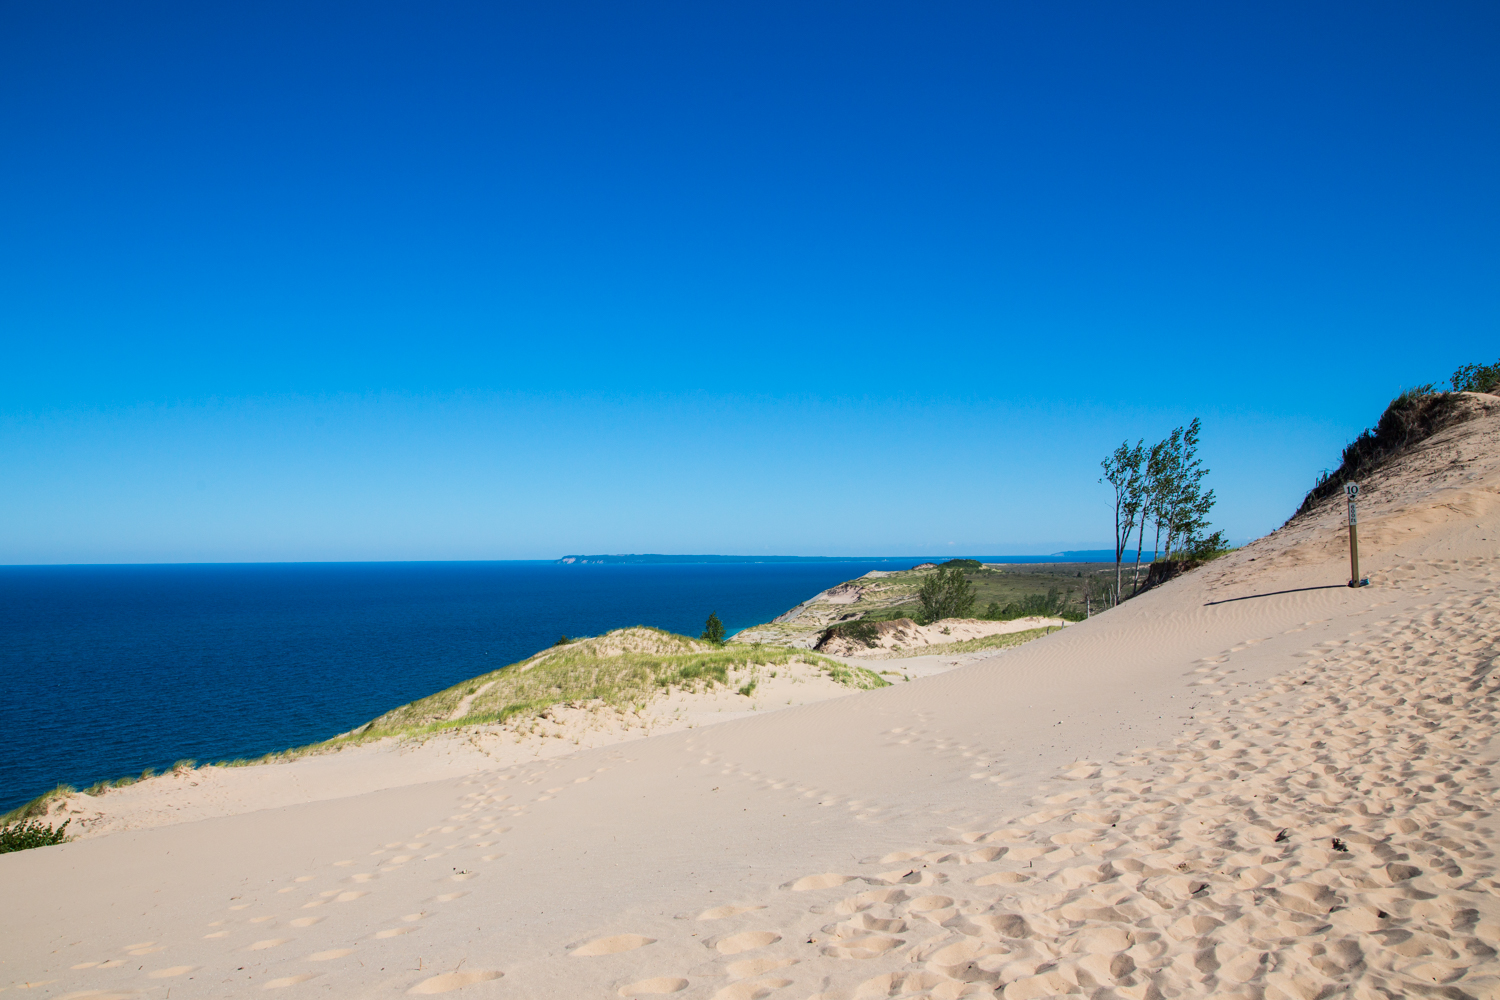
column 624, row 670
column 1003, row 641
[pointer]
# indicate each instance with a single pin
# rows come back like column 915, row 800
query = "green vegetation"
column 1477, row 378
column 1162, row 484
column 863, row 632
column 1053, row 604
column 713, row 629
column 1411, row 417
column 964, row 563
column 37, row 806
column 27, row 834
column 947, row 593
column 972, row 645
column 623, row 670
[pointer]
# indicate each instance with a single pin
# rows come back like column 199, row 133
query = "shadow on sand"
column 1297, row 590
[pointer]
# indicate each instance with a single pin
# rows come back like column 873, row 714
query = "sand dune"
column 1251, row 782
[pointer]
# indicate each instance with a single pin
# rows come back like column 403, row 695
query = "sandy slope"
column 209, row 792
column 1251, row 782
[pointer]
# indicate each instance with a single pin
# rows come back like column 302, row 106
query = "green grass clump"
column 39, row 805
column 863, row 632
column 974, row 645
column 1052, row 604
column 1411, row 418
column 624, row 670
column 31, row 833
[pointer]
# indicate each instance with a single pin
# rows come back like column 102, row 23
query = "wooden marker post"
column 1351, row 490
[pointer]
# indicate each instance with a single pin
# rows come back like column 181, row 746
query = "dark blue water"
column 111, row 669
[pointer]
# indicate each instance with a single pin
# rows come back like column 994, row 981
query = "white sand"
column 1099, row 812
column 906, row 637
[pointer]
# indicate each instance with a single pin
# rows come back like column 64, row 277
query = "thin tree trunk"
column 1120, row 546
column 1140, row 542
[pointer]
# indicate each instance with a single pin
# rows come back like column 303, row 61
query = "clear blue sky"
column 313, row 280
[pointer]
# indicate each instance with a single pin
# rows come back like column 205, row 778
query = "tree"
column 713, row 629
column 1187, row 503
column 1122, row 470
column 1154, row 489
column 946, row 594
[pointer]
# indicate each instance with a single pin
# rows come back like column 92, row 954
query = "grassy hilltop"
column 1012, row 590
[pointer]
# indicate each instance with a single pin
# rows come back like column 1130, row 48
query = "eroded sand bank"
column 1252, row 782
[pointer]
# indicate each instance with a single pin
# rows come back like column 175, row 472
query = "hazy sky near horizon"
column 489, row 280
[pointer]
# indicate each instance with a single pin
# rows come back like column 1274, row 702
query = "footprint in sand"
column 302, row 922
column 285, row 981
column 449, row 897
column 175, row 970
column 612, row 945
column 751, row 990
column 720, row 912
column 328, row 956
column 268, row 943
column 752, row 967
column 825, row 881
column 450, row 981
column 391, row 932
column 654, row 987
column 746, row 941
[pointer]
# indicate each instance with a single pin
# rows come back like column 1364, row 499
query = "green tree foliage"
column 31, row 833
column 1477, row 378
column 947, row 593
column 1180, row 502
column 965, row 563
column 1123, row 471
column 713, row 629
column 1053, row 604
column 1162, row 484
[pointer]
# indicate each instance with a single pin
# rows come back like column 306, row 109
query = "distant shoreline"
column 1080, row 556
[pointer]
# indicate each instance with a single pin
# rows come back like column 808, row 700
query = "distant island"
column 1086, row 555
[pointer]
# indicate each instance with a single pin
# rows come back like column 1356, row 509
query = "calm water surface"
column 111, row 669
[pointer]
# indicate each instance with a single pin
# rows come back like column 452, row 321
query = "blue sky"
column 474, row 280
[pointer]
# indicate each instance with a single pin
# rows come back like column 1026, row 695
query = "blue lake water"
column 112, row 669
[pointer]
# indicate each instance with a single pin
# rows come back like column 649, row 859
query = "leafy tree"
column 713, row 630
column 946, row 594
column 1122, row 470
column 1187, row 502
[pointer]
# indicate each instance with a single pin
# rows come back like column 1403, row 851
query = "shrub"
column 946, row 594
column 863, row 632
column 965, row 563
column 1477, row 378
column 1412, row 417
column 1052, row 604
column 713, row 629
column 31, row 833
